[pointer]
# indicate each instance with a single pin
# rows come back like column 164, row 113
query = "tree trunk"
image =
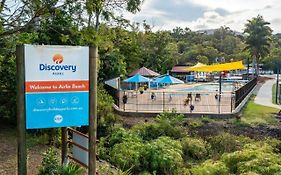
column 255, row 63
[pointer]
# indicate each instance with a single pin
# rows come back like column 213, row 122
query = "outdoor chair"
column 197, row 97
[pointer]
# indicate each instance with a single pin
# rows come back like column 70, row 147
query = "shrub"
column 51, row 165
column 167, row 124
column 183, row 171
column 105, row 113
column 210, row 167
column 148, row 131
column 226, row 142
column 249, row 173
column 195, row 148
column 127, row 155
column 120, row 135
column 257, row 158
column 163, row 155
column 71, row 169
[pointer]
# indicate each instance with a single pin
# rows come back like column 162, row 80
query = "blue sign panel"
column 47, row 110
column 56, row 86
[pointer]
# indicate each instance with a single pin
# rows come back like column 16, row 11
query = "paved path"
column 264, row 96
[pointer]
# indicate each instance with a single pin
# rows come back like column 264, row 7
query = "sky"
column 207, row 14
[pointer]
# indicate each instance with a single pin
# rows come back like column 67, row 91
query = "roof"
column 144, row 72
column 178, row 69
column 218, row 67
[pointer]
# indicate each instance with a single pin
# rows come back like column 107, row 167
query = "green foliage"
column 166, row 124
column 258, row 158
column 194, row 148
column 50, row 163
column 121, row 135
column 106, row 116
column 210, row 167
column 112, row 65
column 72, row 169
column 226, row 142
column 127, row 155
column 183, row 171
column 258, row 38
column 163, row 155
column 52, row 166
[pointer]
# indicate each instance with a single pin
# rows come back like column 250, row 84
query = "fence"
column 242, row 92
column 203, row 102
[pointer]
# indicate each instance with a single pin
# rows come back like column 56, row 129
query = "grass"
column 255, row 114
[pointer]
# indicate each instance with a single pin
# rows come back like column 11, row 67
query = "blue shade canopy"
column 168, row 79
column 137, row 79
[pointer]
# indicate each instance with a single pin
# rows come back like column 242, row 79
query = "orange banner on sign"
column 56, row 86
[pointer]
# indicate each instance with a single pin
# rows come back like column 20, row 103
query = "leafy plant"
column 194, row 148
column 210, row 167
column 163, row 155
column 50, row 163
column 227, row 143
column 72, row 169
column 257, row 158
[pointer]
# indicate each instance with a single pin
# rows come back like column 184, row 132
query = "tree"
column 258, row 39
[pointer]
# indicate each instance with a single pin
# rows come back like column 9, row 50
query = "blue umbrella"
column 137, row 79
column 168, row 79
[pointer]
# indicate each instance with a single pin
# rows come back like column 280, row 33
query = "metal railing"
column 181, row 101
column 242, row 92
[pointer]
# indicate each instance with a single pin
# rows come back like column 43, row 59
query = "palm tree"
column 258, row 39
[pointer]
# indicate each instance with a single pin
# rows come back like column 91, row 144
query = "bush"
column 167, row 124
column 127, row 155
column 163, row 155
column 120, row 135
column 210, row 167
column 105, row 113
column 148, row 131
column 51, row 165
column 257, row 158
column 226, row 142
column 195, row 148
column 183, row 171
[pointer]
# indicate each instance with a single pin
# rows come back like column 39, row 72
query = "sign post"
column 93, row 111
column 21, row 139
column 53, row 91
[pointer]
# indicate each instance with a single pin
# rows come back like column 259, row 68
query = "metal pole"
column 124, row 107
column 21, row 131
column 137, row 102
column 163, row 101
column 93, row 109
column 220, row 93
column 63, row 145
column 277, row 84
column 231, row 103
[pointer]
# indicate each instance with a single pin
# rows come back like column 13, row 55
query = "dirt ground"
column 8, row 152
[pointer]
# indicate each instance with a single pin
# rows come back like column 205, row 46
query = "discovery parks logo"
column 58, row 58
column 58, row 66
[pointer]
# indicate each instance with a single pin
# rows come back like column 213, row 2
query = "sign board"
column 56, row 86
column 78, row 153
